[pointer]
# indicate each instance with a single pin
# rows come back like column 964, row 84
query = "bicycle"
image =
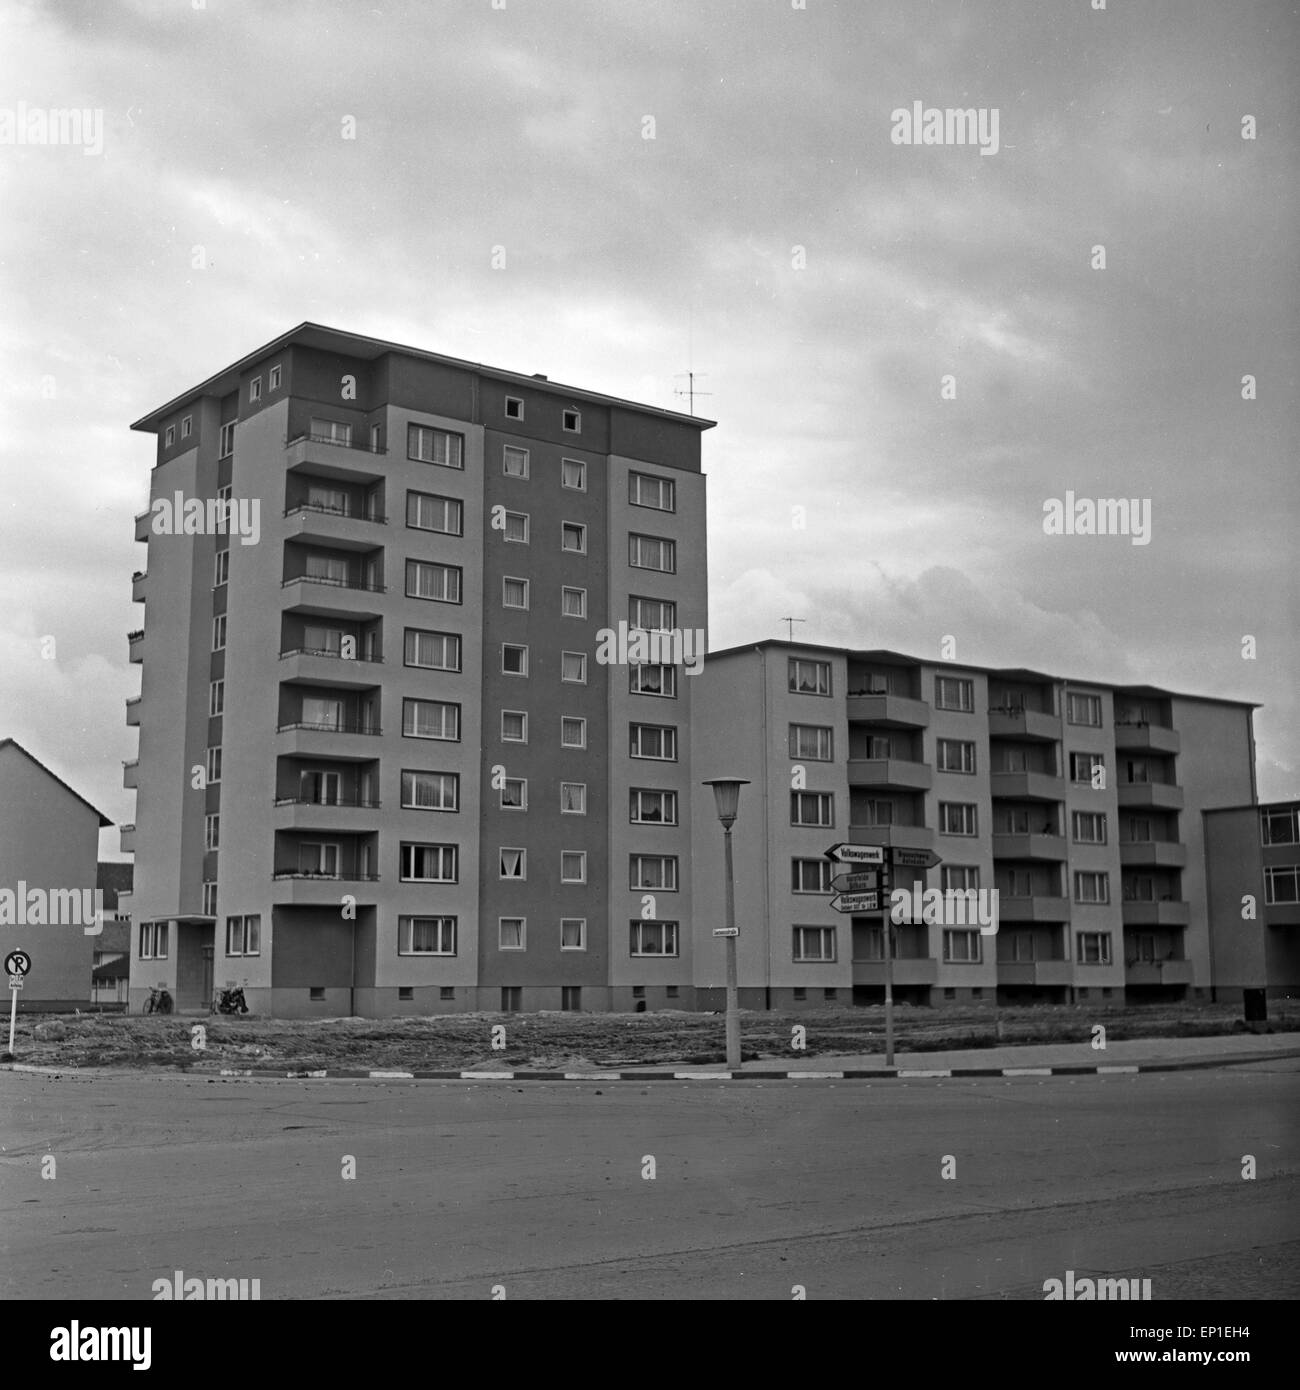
column 228, row 1001
column 159, row 1001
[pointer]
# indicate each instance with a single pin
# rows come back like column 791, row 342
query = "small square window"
column 512, row 931
column 573, row 798
column 405, row 992
column 187, row 426
column 830, row 993
column 638, row 991
column 317, row 993
column 514, row 408
column 672, row 992
column 515, row 527
column 573, row 933
column 169, row 437
column 255, row 394
column 572, row 421
column 515, row 461
column 446, row 991
column 573, row 732
column 514, row 863
column 514, row 726
column 573, row 603
column 514, row 794
column 800, row 993
column 573, row 866
column 514, row 593
column 514, row 660
column 573, row 537
column 573, row 667
column 275, row 378
column 573, row 474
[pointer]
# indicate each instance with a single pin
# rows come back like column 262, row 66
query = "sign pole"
column 888, row 930
column 13, row 1017
column 733, row 1001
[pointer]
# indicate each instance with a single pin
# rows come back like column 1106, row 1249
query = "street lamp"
column 726, row 792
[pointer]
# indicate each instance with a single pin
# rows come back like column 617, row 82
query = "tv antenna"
column 791, row 622
column 690, row 392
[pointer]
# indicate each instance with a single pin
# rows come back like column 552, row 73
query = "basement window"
column 318, row 993
column 405, row 992
column 446, row 991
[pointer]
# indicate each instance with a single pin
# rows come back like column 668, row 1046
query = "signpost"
column 17, row 964
column 856, row 854
column 855, row 883
column 726, row 931
column 856, row 902
column 914, row 858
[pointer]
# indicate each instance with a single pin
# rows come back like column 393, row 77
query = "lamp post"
column 726, row 792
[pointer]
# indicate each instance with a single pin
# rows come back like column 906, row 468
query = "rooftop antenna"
column 690, row 392
column 791, row 622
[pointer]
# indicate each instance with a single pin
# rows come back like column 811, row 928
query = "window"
column 187, row 426
column 810, row 876
column 571, row 421
column 954, row 692
column 216, row 698
column 1017, row 883
column 960, row 878
column 209, row 900
column 1138, row 888
column 514, row 659
column 1082, row 766
column 514, row 461
column 814, row 943
column 332, row 432
column 962, row 947
column 169, row 438
column 799, row 993
column 426, row 936
column 226, row 441
column 219, row 632
column 955, row 755
column 651, row 807
column 812, row 808
column 514, row 863
column 573, row 667
column 573, row 603
column 957, row 818
column 515, row 528
column 244, row 935
column 1280, row 827
column 432, row 651
column 511, row 999
column 653, row 741
column 653, row 680
column 651, row 614
column 430, row 791
column 514, row 593
column 573, row 798
column 1091, row 887
column 214, row 765
column 428, row 445
column 1137, row 770
column 514, row 408
column 510, row 936
column 648, row 490
column 447, row 991
column 431, row 719
column 1281, row 882
column 869, row 944
column 1083, row 709
column 514, row 726
column 427, row 511
column 428, row 863
column 573, row 537
column 1089, row 827
column 322, row 712
column 221, row 568
column 1092, row 948
column 811, row 742
column 573, row 933
column 212, row 831
column 1139, row 829
column 658, row 871
column 652, row 553
column 514, row 794
column 573, row 866
column 878, row 811
column 255, row 389
column 328, row 499
column 326, row 569
column 573, row 732
column 273, row 378
column 573, row 474
column 809, row 677
column 153, row 940
column 438, row 583
column 654, row 938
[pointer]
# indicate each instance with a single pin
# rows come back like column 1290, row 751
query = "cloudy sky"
column 822, row 279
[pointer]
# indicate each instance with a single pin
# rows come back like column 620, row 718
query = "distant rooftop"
column 6, row 742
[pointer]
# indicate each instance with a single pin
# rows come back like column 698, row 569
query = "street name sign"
column 856, row 854
column 855, row 883
column 856, row 902
column 914, row 858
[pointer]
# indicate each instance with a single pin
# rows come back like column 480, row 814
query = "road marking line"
column 701, row 1076
column 924, row 1073
column 1103, row 1071
column 382, row 1075
column 590, row 1076
column 815, row 1075
column 487, row 1076
column 1026, row 1071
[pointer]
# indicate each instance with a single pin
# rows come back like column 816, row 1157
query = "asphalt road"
column 543, row 1189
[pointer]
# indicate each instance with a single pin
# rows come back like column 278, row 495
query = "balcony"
column 342, row 816
column 1035, row 972
column 289, row 888
column 1158, row 796
column 890, row 711
column 342, row 530
column 1158, row 972
column 135, row 645
column 137, row 586
column 1158, row 854
column 1050, row 847
column 895, row 774
column 1035, row 909
column 348, row 742
column 353, row 463
column 143, row 525
column 1027, row 786
column 1140, row 913
column 131, row 774
column 893, row 836
column 328, row 668
column 910, row 970
column 133, row 711
column 1147, row 738
column 126, row 837
column 313, row 595
column 1030, row 724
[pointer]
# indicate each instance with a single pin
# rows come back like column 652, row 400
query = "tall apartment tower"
column 385, row 765
column 1078, row 801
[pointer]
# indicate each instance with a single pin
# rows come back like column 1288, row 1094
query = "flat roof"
column 1004, row 672
column 1252, row 806
column 316, row 335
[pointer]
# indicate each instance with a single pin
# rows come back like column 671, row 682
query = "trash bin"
column 1256, row 1006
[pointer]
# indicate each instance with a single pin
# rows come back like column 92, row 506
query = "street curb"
column 668, row 1074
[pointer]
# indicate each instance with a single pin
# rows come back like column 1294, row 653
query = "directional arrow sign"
column 856, row 902
column 856, row 854
column 914, row 858
column 855, row 883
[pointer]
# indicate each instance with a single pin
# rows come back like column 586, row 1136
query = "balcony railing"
column 335, row 728
column 334, row 583
column 343, row 513
column 352, row 801
column 329, row 652
column 360, row 443
column 306, row 874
